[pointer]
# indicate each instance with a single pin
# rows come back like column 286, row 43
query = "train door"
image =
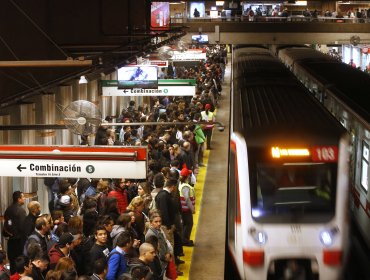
column 234, row 220
column 364, row 181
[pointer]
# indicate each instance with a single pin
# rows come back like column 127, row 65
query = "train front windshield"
column 293, row 192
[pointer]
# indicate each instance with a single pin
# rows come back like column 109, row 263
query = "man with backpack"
column 147, row 255
column 39, row 236
column 117, row 263
column 14, row 217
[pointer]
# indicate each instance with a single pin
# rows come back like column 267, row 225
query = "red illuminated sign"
column 159, row 63
column 325, row 154
column 160, row 16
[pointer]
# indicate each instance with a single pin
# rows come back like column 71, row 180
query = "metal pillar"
column 93, row 92
column 63, row 99
column 4, row 135
column 46, row 115
column 27, row 184
column 27, row 116
column 5, row 182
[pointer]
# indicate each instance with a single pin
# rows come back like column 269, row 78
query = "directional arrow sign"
column 73, row 161
column 20, row 167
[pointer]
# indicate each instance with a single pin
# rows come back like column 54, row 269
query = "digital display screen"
column 199, row 39
column 160, row 16
column 141, row 76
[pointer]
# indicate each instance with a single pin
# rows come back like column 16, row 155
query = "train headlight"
column 327, row 236
column 261, row 237
column 258, row 235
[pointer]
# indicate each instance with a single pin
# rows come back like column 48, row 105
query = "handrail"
column 256, row 19
column 220, row 126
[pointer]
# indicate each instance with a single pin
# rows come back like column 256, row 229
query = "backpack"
column 84, row 250
column 131, row 267
column 86, row 244
column 115, row 253
column 32, row 236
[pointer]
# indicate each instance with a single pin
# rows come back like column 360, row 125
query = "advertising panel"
column 141, row 76
column 160, row 16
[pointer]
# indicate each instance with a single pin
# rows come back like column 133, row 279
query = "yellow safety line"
column 188, row 251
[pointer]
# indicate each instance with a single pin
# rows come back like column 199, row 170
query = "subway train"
column 288, row 175
column 344, row 91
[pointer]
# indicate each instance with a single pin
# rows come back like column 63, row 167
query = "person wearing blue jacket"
column 117, row 263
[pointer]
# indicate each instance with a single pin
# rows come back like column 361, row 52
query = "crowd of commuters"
column 253, row 14
column 120, row 228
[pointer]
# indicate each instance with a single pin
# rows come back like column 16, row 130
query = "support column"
column 27, row 116
column 5, row 201
column 93, row 92
column 79, row 91
column 63, row 99
column 27, row 185
column 48, row 109
column 4, row 134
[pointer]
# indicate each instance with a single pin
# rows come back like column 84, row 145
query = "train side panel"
column 349, row 107
column 271, row 230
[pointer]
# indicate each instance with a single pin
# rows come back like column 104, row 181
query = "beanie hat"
column 65, row 239
column 208, row 106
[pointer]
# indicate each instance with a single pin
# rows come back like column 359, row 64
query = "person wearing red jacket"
column 60, row 249
column 120, row 193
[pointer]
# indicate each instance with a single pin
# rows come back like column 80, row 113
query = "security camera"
column 221, row 128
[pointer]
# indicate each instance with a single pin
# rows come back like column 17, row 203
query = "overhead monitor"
column 160, row 16
column 199, row 39
column 199, row 6
column 141, row 76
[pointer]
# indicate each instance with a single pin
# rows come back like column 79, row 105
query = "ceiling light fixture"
column 82, row 80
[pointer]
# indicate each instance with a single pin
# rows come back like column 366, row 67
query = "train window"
column 302, row 192
column 365, row 166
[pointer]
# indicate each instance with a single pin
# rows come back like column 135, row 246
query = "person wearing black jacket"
column 40, row 262
column 99, row 249
column 166, row 205
column 39, row 267
column 34, row 210
column 13, row 228
column 39, row 236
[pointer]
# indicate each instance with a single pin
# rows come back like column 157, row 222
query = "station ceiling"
column 107, row 32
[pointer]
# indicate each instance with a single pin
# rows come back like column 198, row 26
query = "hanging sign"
column 73, row 161
column 166, row 87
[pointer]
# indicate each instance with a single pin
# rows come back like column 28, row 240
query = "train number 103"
column 325, row 154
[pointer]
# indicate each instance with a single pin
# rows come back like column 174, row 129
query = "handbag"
column 171, row 270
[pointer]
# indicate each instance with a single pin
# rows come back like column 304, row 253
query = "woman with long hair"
column 144, row 192
column 65, row 264
column 137, row 207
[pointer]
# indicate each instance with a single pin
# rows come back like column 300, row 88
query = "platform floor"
column 206, row 259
